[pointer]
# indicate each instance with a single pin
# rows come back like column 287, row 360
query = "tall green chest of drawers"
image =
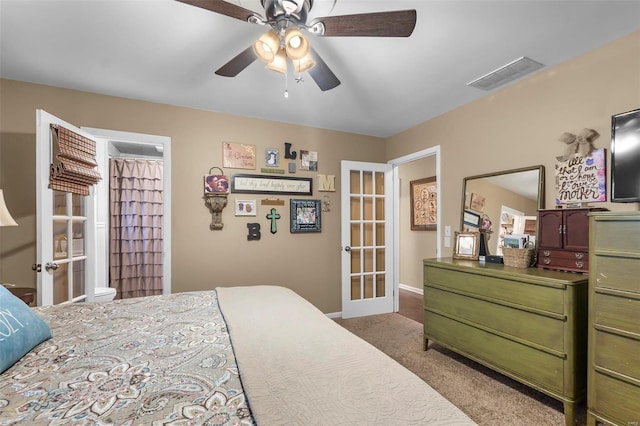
column 529, row 324
column 614, row 319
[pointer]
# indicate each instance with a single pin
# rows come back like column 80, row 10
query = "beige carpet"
column 487, row 397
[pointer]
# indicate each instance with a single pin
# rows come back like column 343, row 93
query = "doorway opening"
column 137, row 153
column 397, row 163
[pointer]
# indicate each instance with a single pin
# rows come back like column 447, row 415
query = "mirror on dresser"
column 505, row 202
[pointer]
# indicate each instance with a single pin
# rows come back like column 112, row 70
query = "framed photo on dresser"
column 466, row 246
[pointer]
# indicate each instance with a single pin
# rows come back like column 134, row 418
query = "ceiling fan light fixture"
column 296, row 45
column 304, row 64
column 267, row 46
column 279, row 63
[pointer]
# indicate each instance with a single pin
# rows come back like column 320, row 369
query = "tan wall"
column 202, row 259
column 519, row 126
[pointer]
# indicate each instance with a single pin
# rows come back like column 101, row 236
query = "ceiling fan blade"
column 321, row 74
column 380, row 24
column 223, row 7
column 237, row 64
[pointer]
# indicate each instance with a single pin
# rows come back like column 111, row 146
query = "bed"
column 231, row 356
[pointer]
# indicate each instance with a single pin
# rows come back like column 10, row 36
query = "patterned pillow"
column 21, row 329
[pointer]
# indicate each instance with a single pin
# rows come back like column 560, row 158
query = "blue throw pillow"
column 21, row 329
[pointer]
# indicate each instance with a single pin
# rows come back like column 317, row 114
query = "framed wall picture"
column 245, row 208
column 424, row 204
column 466, row 246
column 582, row 179
column 477, row 203
column 272, row 157
column 471, row 219
column 239, row 155
column 306, row 216
column 262, row 184
column 216, row 184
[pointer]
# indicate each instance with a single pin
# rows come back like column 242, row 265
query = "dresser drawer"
column 622, row 273
column 538, row 329
column 614, row 398
column 564, row 260
column 617, row 235
column 616, row 312
column 521, row 293
column 506, row 356
column 617, row 353
column 564, row 254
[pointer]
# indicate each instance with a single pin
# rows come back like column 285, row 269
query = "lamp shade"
column 279, row 63
column 304, row 64
column 5, row 216
column 296, row 44
column 267, row 46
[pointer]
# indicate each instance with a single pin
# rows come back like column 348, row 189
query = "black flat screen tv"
column 625, row 157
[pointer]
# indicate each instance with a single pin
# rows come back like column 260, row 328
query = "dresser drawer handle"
column 547, row 253
column 580, row 264
column 579, row 255
column 547, row 261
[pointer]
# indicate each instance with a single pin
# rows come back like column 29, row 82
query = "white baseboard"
column 420, row 291
column 411, row 288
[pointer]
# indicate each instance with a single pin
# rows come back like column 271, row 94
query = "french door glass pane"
column 78, row 238
column 78, row 277
column 354, row 185
column 59, row 203
column 355, row 288
column 61, row 283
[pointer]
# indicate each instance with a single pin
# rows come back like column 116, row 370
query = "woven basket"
column 517, row 257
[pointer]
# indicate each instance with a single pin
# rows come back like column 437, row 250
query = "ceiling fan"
column 284, row 40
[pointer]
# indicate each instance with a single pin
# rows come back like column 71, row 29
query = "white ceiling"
column 165, row 51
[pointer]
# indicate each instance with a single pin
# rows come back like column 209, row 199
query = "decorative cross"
column 273, row 216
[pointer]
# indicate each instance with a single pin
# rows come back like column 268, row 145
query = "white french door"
column 65, row 228
column 367, row 239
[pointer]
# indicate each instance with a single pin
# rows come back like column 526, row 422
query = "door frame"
column 397, row 162
column 102, row 198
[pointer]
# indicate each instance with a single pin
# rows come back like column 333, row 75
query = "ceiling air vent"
column 506, row 74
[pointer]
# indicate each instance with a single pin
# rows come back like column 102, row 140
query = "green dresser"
column 529, row 324
column 614, row 319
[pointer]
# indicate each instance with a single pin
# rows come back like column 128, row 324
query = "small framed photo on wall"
column 272, row 157
column 245, row 207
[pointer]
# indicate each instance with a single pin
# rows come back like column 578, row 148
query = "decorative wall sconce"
column 216, row 192
column 215, row 203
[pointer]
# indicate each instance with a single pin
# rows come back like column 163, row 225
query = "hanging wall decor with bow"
column 582, row 143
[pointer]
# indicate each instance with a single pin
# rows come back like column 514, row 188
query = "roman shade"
column 73, row 167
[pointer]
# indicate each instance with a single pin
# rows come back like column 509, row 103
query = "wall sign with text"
column 581, row 179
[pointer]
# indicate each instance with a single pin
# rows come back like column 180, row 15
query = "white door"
column 65, row 225
column 367, row 239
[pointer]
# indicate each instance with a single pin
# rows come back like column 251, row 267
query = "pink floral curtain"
column 136, row 249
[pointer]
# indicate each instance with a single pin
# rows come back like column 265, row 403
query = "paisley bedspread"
column 160, row 360
column 168, row 360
